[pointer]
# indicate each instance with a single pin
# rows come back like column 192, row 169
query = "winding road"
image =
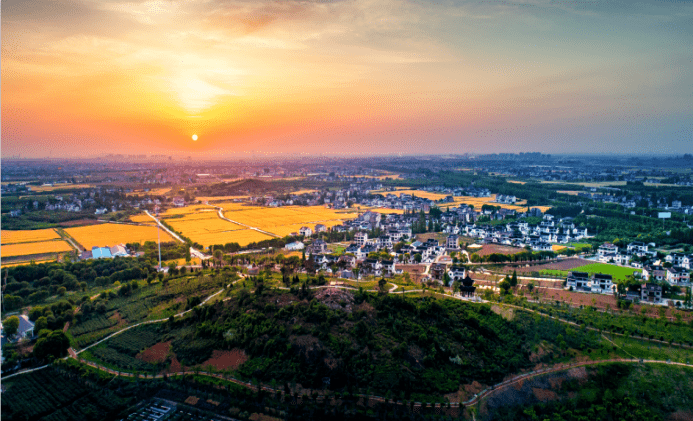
column 475, row 399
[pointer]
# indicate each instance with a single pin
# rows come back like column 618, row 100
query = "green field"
column 618, row 272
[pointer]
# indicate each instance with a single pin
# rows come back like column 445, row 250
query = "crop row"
column 39, row 393
column 92, row 325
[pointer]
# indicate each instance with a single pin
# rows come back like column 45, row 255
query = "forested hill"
column 387, row 344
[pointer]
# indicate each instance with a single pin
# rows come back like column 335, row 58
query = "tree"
column 217, row 256
column 513, row 280
column 381, row 284
column 504, row 287
column 11, row 325
column 55, row 345
column 41, row 323
column 446, row 279
column 417, row 258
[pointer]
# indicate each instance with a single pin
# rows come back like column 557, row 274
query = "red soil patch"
column 156, row 353
column 175, row 366
column 565, row 264
column 497, row 248
column 225, row 360
column 681, row 415
column 544, row 395
column 577, row 298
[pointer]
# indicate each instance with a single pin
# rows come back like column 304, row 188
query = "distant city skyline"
column 83, row 78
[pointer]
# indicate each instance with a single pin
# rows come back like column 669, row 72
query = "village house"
column 453, row 242
column 677, row 275
column 361, row 238
column 654, row 272
column 602, row 284
column 651, row 293
column 579, row 281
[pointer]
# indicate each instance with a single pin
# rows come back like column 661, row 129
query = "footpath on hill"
column 374, row 398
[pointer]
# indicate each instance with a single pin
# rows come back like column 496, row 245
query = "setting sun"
column 194, row 137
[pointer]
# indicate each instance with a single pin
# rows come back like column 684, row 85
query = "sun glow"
column 194, row 137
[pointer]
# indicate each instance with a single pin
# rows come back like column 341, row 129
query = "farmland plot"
column 27, row 249
column 477, row 202
column 28, row 236
column 285, row 220
column 205, row 227
column 112, row 234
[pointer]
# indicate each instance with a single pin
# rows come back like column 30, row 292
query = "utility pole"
column 158, row 236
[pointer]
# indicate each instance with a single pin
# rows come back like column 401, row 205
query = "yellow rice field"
column 42, row 189
column 556, row 247
column 142, row 218
column 384, row 210
column 112, row 234
column 299, row 192
column 185, row 210
column 28, row 236
column 13, row 264
column 477, row 202
column 205, row 227
column 26, row 249
column 212, row 199
column 282, row 221
column 202, row 224
column 152, row 192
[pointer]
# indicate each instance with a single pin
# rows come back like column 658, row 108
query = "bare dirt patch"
column 681, row 416
column 544, row 395
column 367, row 307
column 565, row 264
column 600, row 301
column 336, row 299
column 156, row 353
column 226, row 360
column 175, row 366
column 506, row 313
column 497, row 248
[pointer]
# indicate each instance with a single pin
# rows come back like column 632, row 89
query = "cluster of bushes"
column 34, row 283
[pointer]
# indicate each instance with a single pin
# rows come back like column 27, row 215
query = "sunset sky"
column 88, row 77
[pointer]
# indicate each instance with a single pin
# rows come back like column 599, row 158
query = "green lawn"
column 618, row 272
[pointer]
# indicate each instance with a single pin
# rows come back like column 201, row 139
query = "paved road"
column 163, row 227
column 194, row 252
